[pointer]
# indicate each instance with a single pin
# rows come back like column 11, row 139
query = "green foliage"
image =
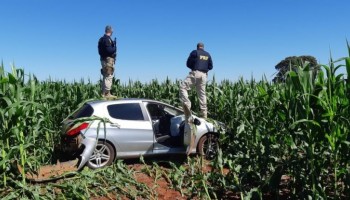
column 298, row 128
column 292, row 63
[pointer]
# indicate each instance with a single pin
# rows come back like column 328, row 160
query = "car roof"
column 123, row 100
column 104, row 102
column 127, row 100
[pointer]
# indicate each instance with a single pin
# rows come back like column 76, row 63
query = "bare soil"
column 160, row 186
column 51, row 172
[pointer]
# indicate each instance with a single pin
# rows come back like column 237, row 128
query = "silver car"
column 102, row 131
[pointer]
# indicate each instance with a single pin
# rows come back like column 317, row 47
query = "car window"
column 172, row 111
column 155, row 111
column 85, row 111
column 127, row 111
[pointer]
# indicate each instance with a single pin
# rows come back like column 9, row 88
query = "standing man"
column 107, row 48
column 200, row 63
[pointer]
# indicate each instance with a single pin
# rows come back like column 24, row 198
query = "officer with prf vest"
column 200, row 63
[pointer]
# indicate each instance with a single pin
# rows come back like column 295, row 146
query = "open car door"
column 189, row 130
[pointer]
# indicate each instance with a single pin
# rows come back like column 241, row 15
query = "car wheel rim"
column 210, row 147
column 101, row 156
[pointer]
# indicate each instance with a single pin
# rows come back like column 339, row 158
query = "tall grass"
column 299, row 128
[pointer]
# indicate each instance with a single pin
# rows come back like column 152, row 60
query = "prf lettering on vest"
column 203, row 57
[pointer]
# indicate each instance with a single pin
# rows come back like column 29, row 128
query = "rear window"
column 130, row 111
column 85, row 111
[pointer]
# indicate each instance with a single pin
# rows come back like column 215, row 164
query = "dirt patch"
column 206, row 168
column 161, row 185
column 154, row 177
column 161, row 188
column 51, row 172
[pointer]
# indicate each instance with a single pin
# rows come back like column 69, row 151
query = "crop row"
column 299, row 129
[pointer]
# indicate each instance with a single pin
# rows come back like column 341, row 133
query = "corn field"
column 298, row 129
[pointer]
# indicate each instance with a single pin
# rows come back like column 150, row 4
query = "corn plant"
column 299, row 128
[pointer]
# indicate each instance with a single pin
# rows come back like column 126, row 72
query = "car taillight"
column 75, row 130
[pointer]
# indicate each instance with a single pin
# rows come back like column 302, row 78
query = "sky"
column 246, row 38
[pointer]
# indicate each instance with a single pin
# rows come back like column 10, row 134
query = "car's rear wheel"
column 208, row 146
column 103, row 155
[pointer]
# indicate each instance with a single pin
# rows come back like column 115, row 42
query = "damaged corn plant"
column 287, row 139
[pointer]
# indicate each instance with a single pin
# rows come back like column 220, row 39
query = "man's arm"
column 191, row 59
column 210, row 64
column 110, row 48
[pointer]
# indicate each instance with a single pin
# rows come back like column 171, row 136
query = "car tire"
column 102, row 156
column 208, row 146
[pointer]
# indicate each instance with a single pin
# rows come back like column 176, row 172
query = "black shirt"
column 200, row 60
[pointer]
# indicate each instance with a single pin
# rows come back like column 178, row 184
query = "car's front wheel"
column 208, row 146
column 103, row 155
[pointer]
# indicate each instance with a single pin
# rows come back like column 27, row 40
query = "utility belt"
column 105, row 58
column 205, row 72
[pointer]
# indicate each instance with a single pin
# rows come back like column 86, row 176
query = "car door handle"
column 115, row 125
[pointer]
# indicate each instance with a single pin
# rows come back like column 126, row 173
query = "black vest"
column 202, row 61
column 106, row 47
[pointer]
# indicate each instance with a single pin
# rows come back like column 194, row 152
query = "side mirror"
column 196, row 122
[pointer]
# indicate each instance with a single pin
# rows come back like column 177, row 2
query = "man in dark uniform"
column 200, row 63
column 107, row 48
